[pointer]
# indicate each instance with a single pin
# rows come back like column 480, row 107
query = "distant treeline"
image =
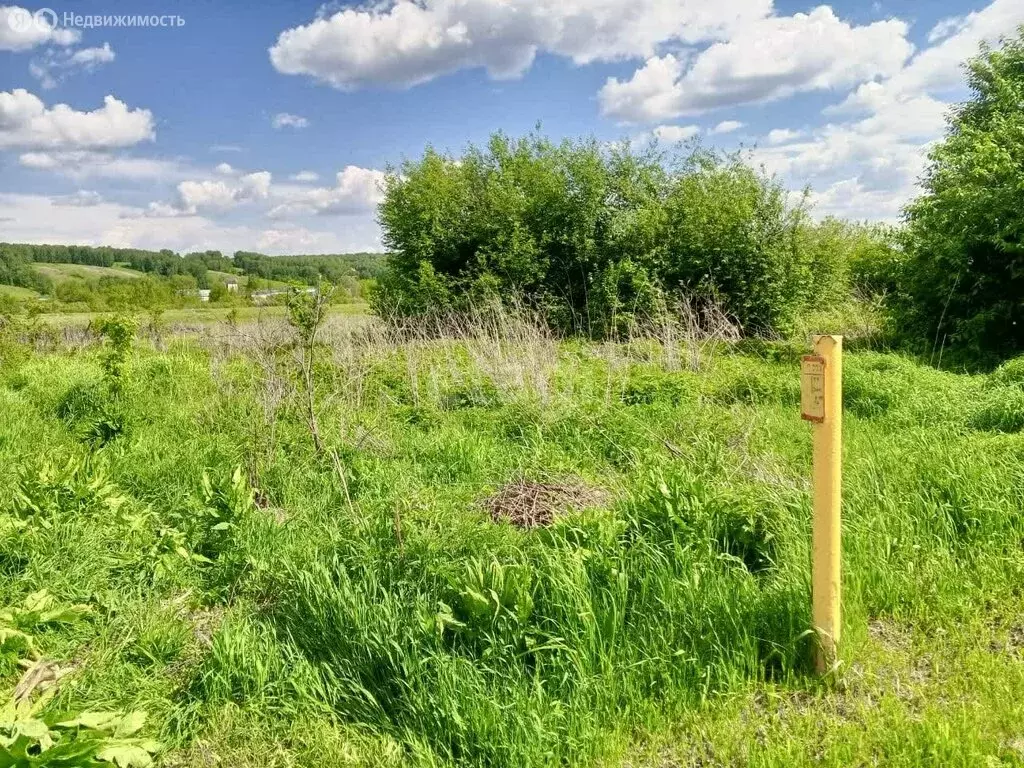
column 16, row 260
column 307, row 269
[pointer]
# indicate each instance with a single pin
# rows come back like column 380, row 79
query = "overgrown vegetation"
column 604, row 238
column 489, row 547
column 116, row 279
column 964, row 282
column 596, row 236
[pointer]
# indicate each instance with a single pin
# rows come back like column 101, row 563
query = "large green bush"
column 595, row 234
column 965, row 278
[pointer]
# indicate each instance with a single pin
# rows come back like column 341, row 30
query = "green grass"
column 16, row 292
column 198, row 315
column 63, row 272
column 223, row 277
column 369, row 612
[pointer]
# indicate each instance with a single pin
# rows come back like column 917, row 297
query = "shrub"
column 872, row 254
column 595, row 235
column 732, row 236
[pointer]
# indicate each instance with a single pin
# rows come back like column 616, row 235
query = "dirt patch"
column 890, row 635
column 1016, row 639
column 1012, row 643
column 205, row 623
column 530, row 504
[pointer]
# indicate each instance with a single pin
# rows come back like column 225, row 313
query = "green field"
column 16, row 292
column 63, row 272
column 242, row 280
column 193, row 315
column 510, row 550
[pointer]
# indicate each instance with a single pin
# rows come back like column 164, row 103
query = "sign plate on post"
column 812, row 388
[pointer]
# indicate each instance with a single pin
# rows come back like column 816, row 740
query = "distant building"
column 232, row 286
column 270, row 293
column 204, row 294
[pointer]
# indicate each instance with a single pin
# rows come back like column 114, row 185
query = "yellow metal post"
column 822, row 404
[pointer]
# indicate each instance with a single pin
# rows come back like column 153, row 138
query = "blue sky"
column 268, row 126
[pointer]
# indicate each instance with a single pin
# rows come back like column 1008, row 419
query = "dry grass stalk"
column 530, row 504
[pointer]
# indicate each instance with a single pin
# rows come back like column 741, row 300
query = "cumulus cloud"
column 852, row 172
column 224, row 169
column 21, row 30
column 672, row 134
column 208, row 194
column 305, row 176
column 26, row 122
column 288, row 120
column 766, row 60
column 727, row 126
column 782, row 135
column 404, row 43
column 867, row 162
column 356, row 190
column 54, row 65
column 939, row 68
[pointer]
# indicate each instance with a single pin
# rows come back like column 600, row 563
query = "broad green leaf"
column 130, row 724
column 126, row 755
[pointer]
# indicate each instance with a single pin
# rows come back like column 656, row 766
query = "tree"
column 964, row 280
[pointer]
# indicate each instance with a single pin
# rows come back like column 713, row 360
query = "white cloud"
column 305, row 176
column 54, row 65
column 852, row 199
column 38, row 219
column 727, row 126
column 362, row 236
column 20, row 30
column 766, row 60
column 867, row 163
column 939, row 68
column 404, row 43
column 883, row 158
column 26, row 122
column 664, row 135
column 83, row 198
column 84, row 164
column 356, row 190
column 673, row 134
column 946, row 27
column 86, row 57
column 852, row 171
column 208, row 194
column 783, row 135
column 288, row 120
